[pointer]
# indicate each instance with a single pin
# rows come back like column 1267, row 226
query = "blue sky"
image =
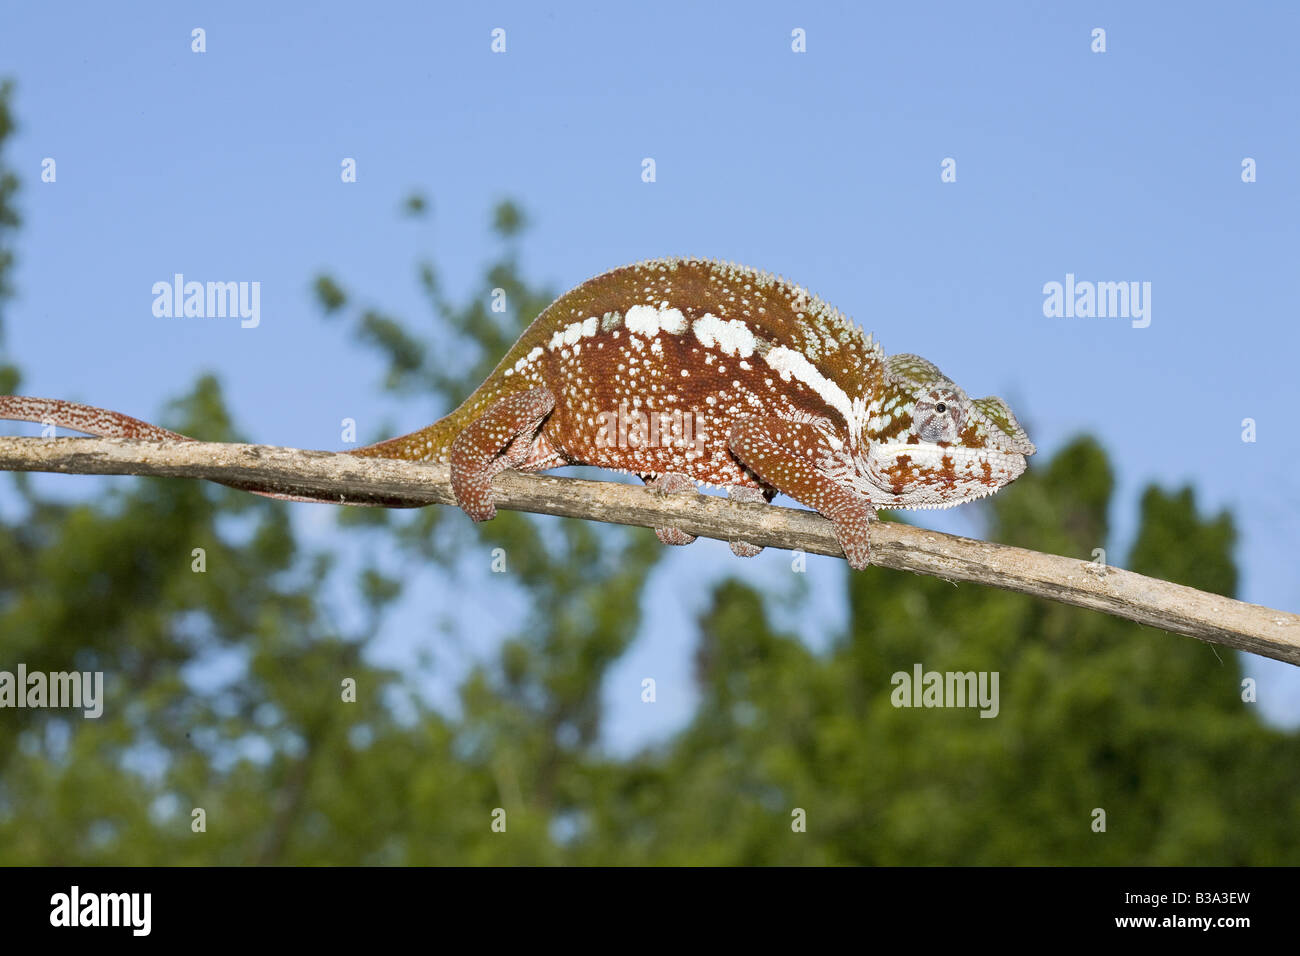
column 823, row 166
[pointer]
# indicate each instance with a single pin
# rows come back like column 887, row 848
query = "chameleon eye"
column 940, row 407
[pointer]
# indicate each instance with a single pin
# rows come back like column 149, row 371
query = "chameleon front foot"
column 672, row 483
column 853, row 531
column 785, row 455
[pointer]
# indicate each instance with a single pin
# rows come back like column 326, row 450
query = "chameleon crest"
column 692, row 371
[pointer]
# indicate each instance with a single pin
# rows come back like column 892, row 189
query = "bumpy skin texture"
column 691, row 371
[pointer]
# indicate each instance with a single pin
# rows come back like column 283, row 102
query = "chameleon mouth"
column 937, row 505
column 937, row 476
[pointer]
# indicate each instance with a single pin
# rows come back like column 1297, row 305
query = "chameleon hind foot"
column 672, row 483
column 502, row 437
column 743, row 549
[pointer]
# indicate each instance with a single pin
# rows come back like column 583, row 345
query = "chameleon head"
column 928, row 445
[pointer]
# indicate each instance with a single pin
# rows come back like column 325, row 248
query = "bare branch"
column 347, row 479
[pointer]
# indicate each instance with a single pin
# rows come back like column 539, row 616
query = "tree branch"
column 383, row 482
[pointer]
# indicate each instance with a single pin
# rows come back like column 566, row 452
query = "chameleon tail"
column 104, row 423
column 81, row 418
column 428, row 444
column 431, row 443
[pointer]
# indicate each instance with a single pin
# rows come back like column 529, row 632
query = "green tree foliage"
column 229, row 688
column 1095, row 713
column 10, row 220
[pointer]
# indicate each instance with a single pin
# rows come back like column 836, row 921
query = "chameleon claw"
column 743, row 549
column 674, row 536
column 672, row 483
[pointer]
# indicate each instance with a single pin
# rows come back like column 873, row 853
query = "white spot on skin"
column 732, row 336
column 643, row 320
column 672, row 321
column 648, row 321
column 526, row 361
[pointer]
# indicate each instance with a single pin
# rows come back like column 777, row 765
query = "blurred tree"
column 226, row 688
column 9, row 223
column 1095, row 713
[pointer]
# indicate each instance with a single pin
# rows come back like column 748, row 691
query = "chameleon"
column 688, row 372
